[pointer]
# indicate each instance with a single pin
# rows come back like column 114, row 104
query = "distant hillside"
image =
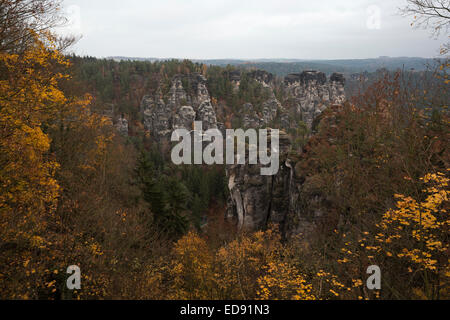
column 345, row 66
column 282, row 67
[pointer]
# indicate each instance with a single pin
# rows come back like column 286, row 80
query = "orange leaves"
column 29, row 88
column 255, row 266
column 283, row 281
column 191, row 268
column 421, row 216
column 410, row 243
column 416, row 232
column 29, row 97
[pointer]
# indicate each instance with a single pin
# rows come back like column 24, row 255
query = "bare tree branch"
column 20, row 20
column 429, row 14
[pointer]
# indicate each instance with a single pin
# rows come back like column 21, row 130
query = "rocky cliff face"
column 264, row 115
column 257, row 200
column 312, row 92
column 188, row 100
column 263, row 77
column 122, row 126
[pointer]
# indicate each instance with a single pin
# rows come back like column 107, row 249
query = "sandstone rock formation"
column 313, row 93
column 263, row 77
column 122, row 126
column 270, row 109
column 184, row 118
column 257, row 200
column 188, row 100
column 310, row 91
column 235, row 79
column 251, row 117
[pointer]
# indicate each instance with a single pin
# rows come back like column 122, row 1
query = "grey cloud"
column 247, row 29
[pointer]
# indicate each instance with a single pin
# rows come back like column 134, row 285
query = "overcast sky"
column 249, row 29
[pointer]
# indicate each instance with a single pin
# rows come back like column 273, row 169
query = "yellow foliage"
column 32, row 104
column 283, row 281
column 412, row 239
column 191, row 268
column 424, row 222
column 254, row 266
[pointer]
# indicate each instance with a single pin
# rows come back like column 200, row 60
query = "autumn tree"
column 65, row 194
column 380, row 144
column 410, row 244
column 253, row 266
column 29, row 95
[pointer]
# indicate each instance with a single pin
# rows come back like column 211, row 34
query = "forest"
column 372, row 173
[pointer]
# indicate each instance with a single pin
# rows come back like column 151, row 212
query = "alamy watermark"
column 73, row 23
column 258, row 147
column 74, row 281
column 373, row 17
column 374, row 281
